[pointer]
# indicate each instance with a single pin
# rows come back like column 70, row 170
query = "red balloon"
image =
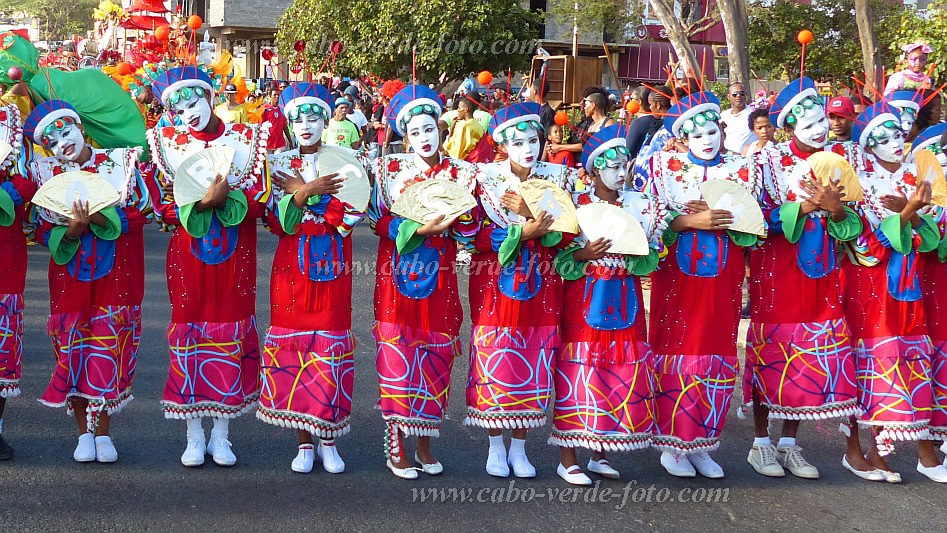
column 15, row 73
column 336, row 47
column 123, row 69
column 299, row 45
column 561, row 118
column 804, row 37
column 296, row 69
column 485, row 77
column 267, row 54
column 632, row 106
column 195, row 22
column 163, row 32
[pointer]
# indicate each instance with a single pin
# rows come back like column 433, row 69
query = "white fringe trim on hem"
column 677, row 446
column 292, row 420
column 626, row 443
column 176, row 411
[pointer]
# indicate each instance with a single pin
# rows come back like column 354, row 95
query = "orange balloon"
column 123, row 69
column 632, row 106
column 195, row 22
column 162, row 32
column 561, row 118
column 485, row 77
column 804, row 37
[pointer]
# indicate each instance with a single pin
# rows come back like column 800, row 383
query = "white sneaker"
column 304, row 459
column 496, row 463
column 105, row 451
column 792, row 459
column 521, row 466
column 704, row 465
column 573, row 475
column 763, row 460
column 677, row 465
column 935, row 473
column 194, row 453
column 85, row 451
column 331, row 462
column 219, row 449
column 603, row 469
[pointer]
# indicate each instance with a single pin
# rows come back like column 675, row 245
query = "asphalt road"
column 43, row 489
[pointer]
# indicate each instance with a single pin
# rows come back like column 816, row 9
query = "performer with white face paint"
column 211, row 265
column 907, row 103
column 417, row 305
column 308, row 365
column 603, row 372
column 515, row 294
column 96, row 278
column 799, row 362
column 883, row 301
column 696, row 292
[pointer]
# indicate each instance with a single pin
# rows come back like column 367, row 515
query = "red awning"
column 647, row 61
column 140, row 22
column 155, row 6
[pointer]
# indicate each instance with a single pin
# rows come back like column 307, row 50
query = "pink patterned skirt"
column 96, row 354
column 215, row 369
column 802, row 371
column 307, row 380
column 414, row 369
column 511, row 376
column 603, row 407
column 11, row 344
column 938, row 427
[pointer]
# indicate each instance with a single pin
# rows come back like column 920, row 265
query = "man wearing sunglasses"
column 737, row 119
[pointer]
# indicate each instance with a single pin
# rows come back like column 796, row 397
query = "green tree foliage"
column 610, row 16
column 452, row 37
column 58, row 19
column 932, row 27
column 834, row 53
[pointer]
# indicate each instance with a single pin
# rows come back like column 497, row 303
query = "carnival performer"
column 603, row 375
column 211, row 264
column 515, row 294
column 417, row 305
column 96, row 278
column 883, row 298
column 799, row 363
column 933, row 282
column 907, row 103
column 913, row 77
column 15, row 192
column 696, row 294
column 308, row 365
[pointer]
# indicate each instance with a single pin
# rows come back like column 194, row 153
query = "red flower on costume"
column 100, row 158
column 910, row 179
column 675, row 165
column 3, row 115
column 239, row 128
column 181, row 139
column 167, row 132
column 584, row 199
column 296, row 163
column 744, row 174
column 839, row 149
column 394, row 166
column 869, row 166
column 786, row 161
column 791, row 196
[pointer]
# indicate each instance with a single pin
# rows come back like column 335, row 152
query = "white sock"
column 496, row 443
column 221, row 427
column 517, row 446
column 762, row 441
column 194, row 428
column 787, row 442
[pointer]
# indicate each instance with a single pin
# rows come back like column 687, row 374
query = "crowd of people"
column 843, row 271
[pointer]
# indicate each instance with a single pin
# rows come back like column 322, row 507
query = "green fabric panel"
column 61, row 248
column 196, row 223
column 642, row 265
column 551, row 239
column 847, row 229
column 234, row 209
column 567, row 266
column 899, row 237
column 289, row 215
column 792, row 221
column 511, row 245
column 930, row 235
column 742, row 239
column 112, row 228
column 408, row 239
column 7, row 209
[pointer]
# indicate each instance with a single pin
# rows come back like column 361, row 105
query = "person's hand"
column 593, row 250
column 216, row 195
column 79, row 221
column 288, row 184
column 554, row 147
column 825, row 197
column 328, row 184
column 921, row 197
column 702, row 217
column 516, row 204
column 537, row 227
column 435, row 226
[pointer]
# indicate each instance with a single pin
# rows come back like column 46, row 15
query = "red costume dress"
column 211, row 270
column 933, row 282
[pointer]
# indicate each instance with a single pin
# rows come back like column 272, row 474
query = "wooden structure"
column 566, row 76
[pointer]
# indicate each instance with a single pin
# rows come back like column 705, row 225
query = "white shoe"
column 331, row 462
column 573, row 475
column 430, row 469
column 870, row 475
column 704, row 465
column 403, row 473
column 763, row 460
column 85, row 451
column 304, row 459
column 521, row 466
column 219, row 449
column 891, row 477
column 194, row 453
column 603, row 469
column 677, row 465
column 792, row 459
column 496, row 463
column 105, row 451
column 935, row 473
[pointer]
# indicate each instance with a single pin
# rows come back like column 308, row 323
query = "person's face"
column 231, row 98
column 889, row 145
column 908, row 117
column 812, row 128
column 935, row 106
column 195, row 111
column 705, row 141
column 555, row 134
column 588, row 107
column 917, row 60
column 274, row 98
column 464, row 110
column 308, row 128
column 423, row 135
column 340, row 111
column 66, row 143
column 763, row 129
column 615, row 171
column 737, row 96
column 523, row 147
column 655, row 106
column 841, row 126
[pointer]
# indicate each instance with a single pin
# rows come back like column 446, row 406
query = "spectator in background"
column 230, row 111
column 761, row 127
column 655, row 140
column 841, row 114
column 644, row 126
column 929, row 114
column 538, row 90
column 272, row 114
column 595, row 107
column 737, row 119
column 499, row 93
column 561, row 157
column 341, row 131
column 355, row 114
column 465, row 131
